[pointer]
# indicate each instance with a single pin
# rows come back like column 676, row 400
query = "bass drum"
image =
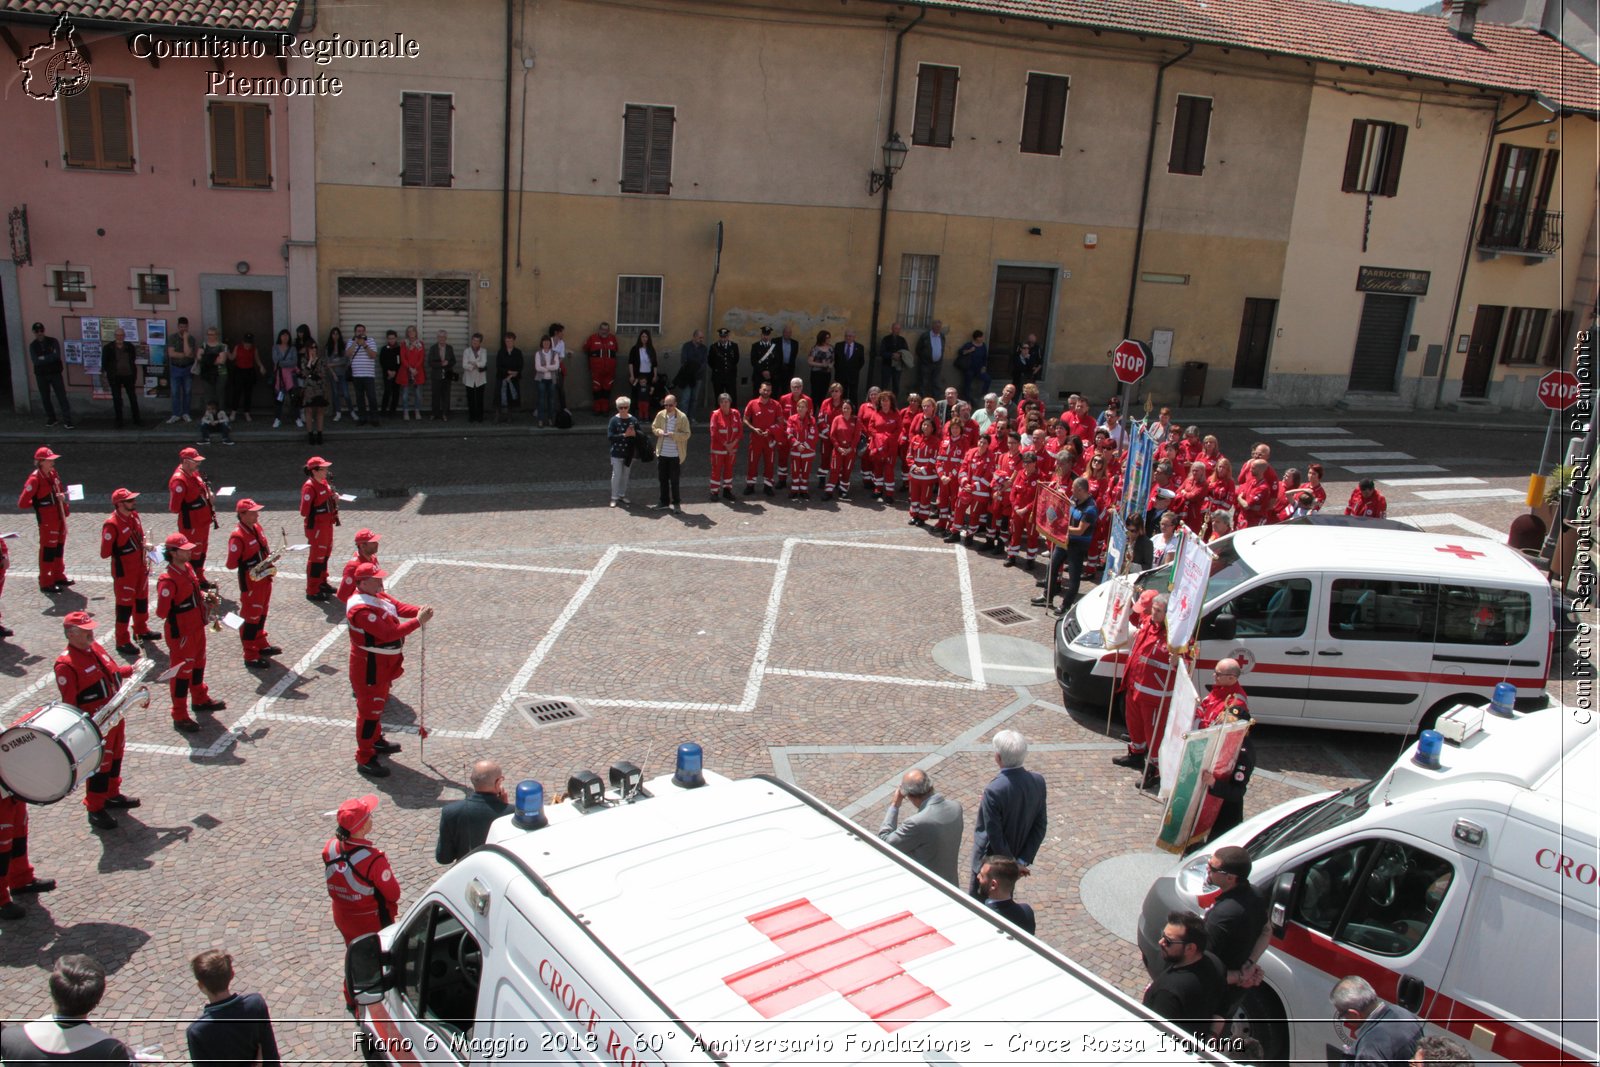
column 48, row 752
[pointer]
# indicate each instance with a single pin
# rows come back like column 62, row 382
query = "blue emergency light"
column 1504, row 701
column 1429, row 744
column 690, row 760
column 530, row 805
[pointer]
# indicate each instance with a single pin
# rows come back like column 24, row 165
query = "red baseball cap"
column 366, row 537
column 370, row 570
column 178, row 541
column 355, row 811
column 119, row 495
column 43, row 452
column 81, row 619
column 317, row 461
column 248, row 505
column 190, row 453
column 1142, row 605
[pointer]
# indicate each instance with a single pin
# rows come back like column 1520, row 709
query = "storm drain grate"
column 1005, row 616
column 553, row 712
column 391, row 492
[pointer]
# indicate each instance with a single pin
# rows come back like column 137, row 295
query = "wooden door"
column 1255, row 343
column 246, row 311
column 1480, row 351
column 1021, row 307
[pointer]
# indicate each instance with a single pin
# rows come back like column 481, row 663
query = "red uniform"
column 347, row 583
column 1006, row 467
column 247, row 546
column 1082, row 426
column 378, row 627
column 190, row 499
column 602, row 352
column 1217, row 701
column 968, row 436
column 825, row 414
column 45, row 494
column 1367, row 507
column 1147, row 687
column 1186, row 453
column 910, row 430
column 786, row 402
column 87, row 678
column 362, row 885
column 1107, row 495
column 15, row 870
column 1304, row 499
column 319, row 507
column 844, row 434
column 179, row 602
column 802, row 441
column 882, row 442
column 1219, row 495
column 1259, row 500
column 122, row 542
column 951, row 454
column 922, row 464
column 764, row 417
column 727, row 428
column 1023, row 494
column 1190, row 503
column 971, row 513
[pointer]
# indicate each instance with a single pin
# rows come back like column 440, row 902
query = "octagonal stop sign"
column 1130, row 361
column 1558, row 389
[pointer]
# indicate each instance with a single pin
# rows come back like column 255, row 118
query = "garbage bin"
column 1193, row 384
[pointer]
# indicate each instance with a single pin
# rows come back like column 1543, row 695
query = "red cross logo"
column 1463, row 553
column 862, row 965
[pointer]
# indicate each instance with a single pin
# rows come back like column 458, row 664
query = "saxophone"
column 267, row 568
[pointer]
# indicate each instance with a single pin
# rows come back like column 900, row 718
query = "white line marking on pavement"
column 839, row 676
column 1026, row 668
column 769, row 626
column 1452, row 519
column 15, row 573
column 699, row 555
column 969, row 615
column 43, row 680
column 1328, row 442
column 1339, row 457
column 1414, row 468
column 1472, row 494
column 1432, row 481
column 491, row 722
column 870, row 544
column 665, row 705
column 435, row 561
column 1297, row 429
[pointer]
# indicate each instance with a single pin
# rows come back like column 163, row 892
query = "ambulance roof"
column 755, row 914
column 1380, row 552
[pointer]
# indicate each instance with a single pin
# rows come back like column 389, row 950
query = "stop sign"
column 1558, row 389
column 1130, row 361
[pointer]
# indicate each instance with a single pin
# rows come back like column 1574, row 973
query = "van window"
column 1369, row 609
column 1313, row 819
column 1472, row 615
column 1380, row 896
column 440, row 967
column 1276, row 609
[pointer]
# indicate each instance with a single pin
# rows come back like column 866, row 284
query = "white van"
column 1348, row 626
column 742, row 922
column 1466, row 894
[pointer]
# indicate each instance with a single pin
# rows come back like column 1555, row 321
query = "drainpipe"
column 883, row 203
column 505, row 179
column 1144, row 189
column 1466, row 251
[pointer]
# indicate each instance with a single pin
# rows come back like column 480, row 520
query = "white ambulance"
column 730, row 922
column 1465, row 893
column 1351, row 625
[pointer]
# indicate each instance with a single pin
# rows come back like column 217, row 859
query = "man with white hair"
column 1381, row 1033
column 931, row 835
column 1012, row 815
column 984, row 417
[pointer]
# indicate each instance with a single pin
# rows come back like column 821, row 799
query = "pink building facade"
column 140, row 195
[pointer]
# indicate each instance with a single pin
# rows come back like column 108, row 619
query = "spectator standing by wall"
column 182, row 351
column 213, row 369
column 442, row 368
column 671, row 428
column 120, row 372
column 363, row 354
column 285, row 378
column 821, row 364
column 893, row 358
column 389, row 364
column 508, row 375
column 474, row 377
column 243, row 366
column 644, row 365
column 546, row 365
column 691, row 366
column 621, row 433
column 234, row 1028
column 412, row 375
column 313, row 391
column 337, row 360
column 973, row 362
column 45, row 352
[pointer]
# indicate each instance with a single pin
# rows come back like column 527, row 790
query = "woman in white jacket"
column 546, row 365
column 475, row 376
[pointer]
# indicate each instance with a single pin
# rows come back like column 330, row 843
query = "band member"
column 763, row 417
column 362, row 885
column 44, row 493
column 378, row 627
column 191, row 500
column 366, row 552
column 124, row 542
column 727, row 428
column 319, row 506
column 183, row 605
column 247, row 550
column 5, row 565
column 16, row 873
column 87, row 678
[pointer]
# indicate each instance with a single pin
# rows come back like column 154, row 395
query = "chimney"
column 1463, row 16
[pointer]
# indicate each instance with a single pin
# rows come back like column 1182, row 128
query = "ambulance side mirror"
column 1220, row 627
column 1282, row 898
column 365, row 971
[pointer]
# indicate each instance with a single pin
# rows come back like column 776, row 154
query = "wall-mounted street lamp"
column 894, row 157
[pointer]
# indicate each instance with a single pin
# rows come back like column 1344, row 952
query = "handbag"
column 643, row 448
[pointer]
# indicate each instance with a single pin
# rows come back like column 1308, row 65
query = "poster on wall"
column 155, row 331
column 158, row 358
column 89, row 329
column 129, row 327
column 72, row 352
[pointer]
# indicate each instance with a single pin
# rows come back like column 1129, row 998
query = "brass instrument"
column 131, row 692
column 333, row 502
column 211, row 501
column 267, row 568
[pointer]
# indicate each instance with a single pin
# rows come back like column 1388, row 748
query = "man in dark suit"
column 931, row 835
column 118, row 368
column 931, row 348
column 1011, row 818
column 234, row 1028
column 788, row 354
column 848, row 357
column 464, row 824
column 764, row 362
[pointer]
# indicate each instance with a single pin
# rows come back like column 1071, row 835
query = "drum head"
column 44, row 756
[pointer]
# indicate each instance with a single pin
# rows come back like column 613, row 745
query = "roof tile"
column 254, row 15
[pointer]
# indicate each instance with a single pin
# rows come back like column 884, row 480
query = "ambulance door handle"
column 1329, row 652
column 1298, row 652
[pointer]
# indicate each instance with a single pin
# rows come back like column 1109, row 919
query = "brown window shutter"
column 936, row 104
column 944, row 124
column 635, row 147
column 1180, row 137
column 77, row 113
column 1032, row 115
column 660, row 172
column 1055, row 115
column 439, row 118
column 116, row 127
column 1199, row 131
column 413, row 138
column 255, row 135
column 224, row 144
column 1394, row 152
column 1352, row 156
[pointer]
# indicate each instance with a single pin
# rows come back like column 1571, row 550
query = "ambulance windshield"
column 1227, row 572
column 1309, row 821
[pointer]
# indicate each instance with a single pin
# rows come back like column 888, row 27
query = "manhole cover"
column 1005, row 616
column 553, row 712
column 1005, row 660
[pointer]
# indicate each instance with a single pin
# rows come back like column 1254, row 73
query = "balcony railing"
column 1522, row 230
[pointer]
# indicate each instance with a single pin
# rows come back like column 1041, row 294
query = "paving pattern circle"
column 1006, row 660
column 1113, row 890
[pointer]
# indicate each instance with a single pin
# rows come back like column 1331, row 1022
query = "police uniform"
column 723, row 359
column 248, row 547
column 319, row 507
column 179, row 602
column 122, row 541
column 378, row 625
column 190, row 499
column 44, row 493
column 87, row 678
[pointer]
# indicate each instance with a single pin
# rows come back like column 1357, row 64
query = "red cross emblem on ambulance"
column 819, row 956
